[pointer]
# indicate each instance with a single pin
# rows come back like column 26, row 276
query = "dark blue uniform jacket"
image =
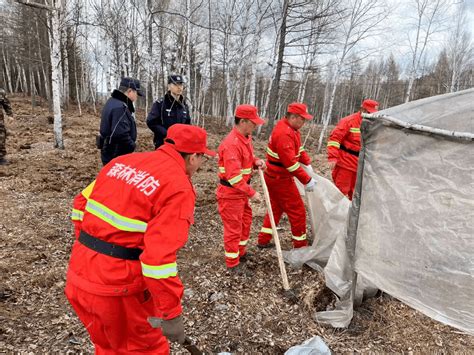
column 164, row 113
column 117, row 127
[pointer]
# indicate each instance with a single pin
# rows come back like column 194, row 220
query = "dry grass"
column 223, row 313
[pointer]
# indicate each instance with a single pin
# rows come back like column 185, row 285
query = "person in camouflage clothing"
column 5, row 104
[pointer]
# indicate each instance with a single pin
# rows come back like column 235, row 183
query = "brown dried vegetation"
column 223, row 313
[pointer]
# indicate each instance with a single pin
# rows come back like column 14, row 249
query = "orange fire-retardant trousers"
column 236, row 215
column 285, row 198
column 345, row 180
column 118, row 324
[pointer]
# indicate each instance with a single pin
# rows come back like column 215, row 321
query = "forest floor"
column 222, row 313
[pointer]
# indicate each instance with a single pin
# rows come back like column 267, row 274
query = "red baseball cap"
column 299, row 109
column 370, row 105
column 249, row 112
column 188, row 139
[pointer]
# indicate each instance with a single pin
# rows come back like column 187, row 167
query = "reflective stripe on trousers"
column 303, row 237
column 232, row 255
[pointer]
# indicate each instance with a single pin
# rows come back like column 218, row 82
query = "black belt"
column 226, row 183
column 109, row 249
column 350, row 151
column 276, row 163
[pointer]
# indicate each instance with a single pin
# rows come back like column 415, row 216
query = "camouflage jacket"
column 5, row 104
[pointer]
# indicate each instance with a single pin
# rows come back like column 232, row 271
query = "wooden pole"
column 284, row 277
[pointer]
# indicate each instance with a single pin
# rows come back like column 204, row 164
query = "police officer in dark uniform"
column 168, row 110
column 118, row 130
column 5, row 105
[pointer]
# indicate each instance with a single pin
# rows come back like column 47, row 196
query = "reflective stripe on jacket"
column 345, row 137
column 142, row 200
column 285, row 153
column 236, row 161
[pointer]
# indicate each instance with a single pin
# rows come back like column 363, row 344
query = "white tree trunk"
column 364, row 17
column 266, row 100
column 150, row 71
column 327, row 116
column 55, row 77
column 78, row 92
column 327, row 89
column 25, row 82
column 38, row 75
column 240, row 82
column 188, row 48
column 411, row 80
column 304, row 81
column 32, row 88
column 429, row 15
column 85, row 77
column 459, row 47
column 269, row 88
column 253, row 69
column 45, row 77
column 92, row 92
column 65, row 79
column 7, row 71
column 109, row 80
column 253, row 79
column 211, row 100
column 17, row 82
column 229, row 114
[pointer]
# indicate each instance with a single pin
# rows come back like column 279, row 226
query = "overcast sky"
column 401, row 21
column 393, row 37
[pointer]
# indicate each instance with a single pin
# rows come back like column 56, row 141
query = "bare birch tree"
column 460, row 48
column 275, row 88
column 265, row 52
column 359, row 21
column 428, row 21
column 55, row 53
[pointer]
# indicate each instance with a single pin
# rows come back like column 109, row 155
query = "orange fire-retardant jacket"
column 236, row 161
column 141, row 200
column 285, row 153
column 344, row 142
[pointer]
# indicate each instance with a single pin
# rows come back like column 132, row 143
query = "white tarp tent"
column 410, row 228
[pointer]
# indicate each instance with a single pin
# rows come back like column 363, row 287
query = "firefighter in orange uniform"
column 344, row 147
column 129, row 225
column 286, row 158
column 236, row 161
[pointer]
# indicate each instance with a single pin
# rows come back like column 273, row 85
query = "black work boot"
column 239, row 270
column 246, row 257
column 266, row 246
column 4, row 161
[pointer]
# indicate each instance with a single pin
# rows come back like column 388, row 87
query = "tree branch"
column 36, row 5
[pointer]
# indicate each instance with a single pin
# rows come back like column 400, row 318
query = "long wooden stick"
column 311, row 216
column 284, row 277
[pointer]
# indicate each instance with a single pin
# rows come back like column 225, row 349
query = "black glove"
column 173, row 329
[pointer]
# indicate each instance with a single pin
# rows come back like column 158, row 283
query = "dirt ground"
column 222, row 313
